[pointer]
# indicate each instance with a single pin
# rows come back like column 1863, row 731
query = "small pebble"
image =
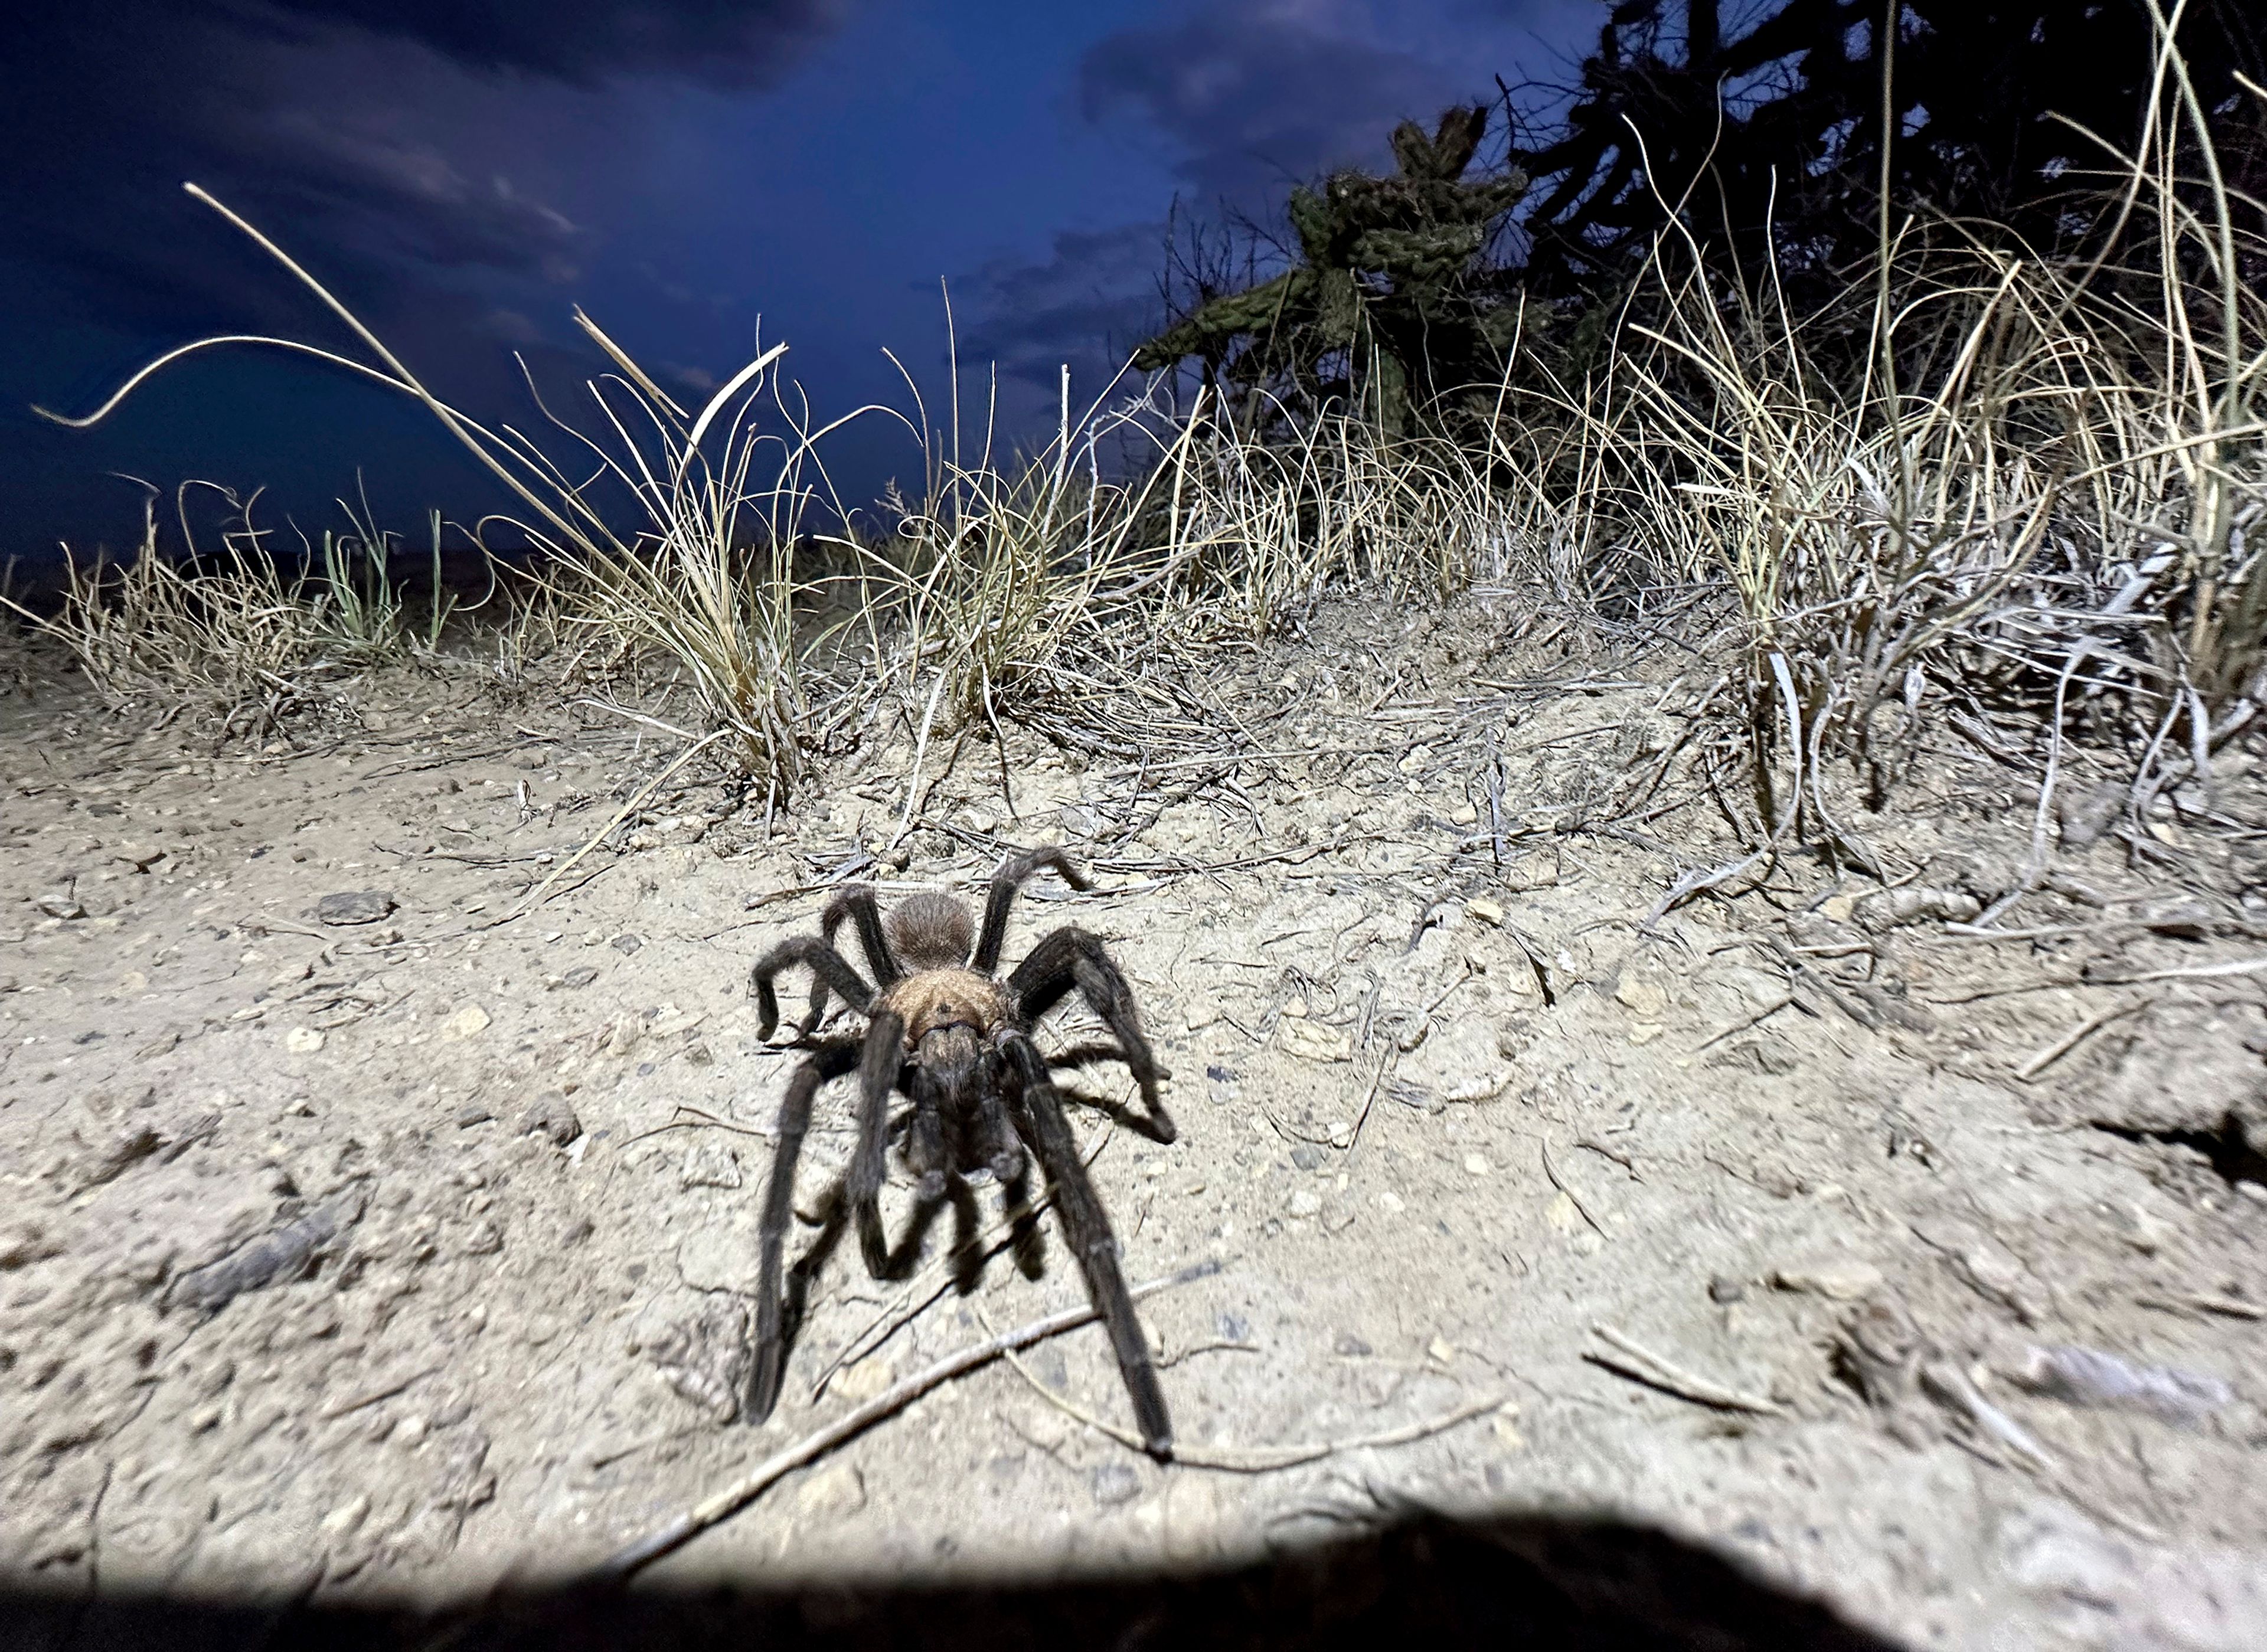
column 469, row 1022
column 1475, row 1165
column 1724, row 1288
column 354, row 906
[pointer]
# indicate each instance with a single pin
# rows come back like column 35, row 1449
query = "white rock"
column 862, row 1381
column 1839, row 1281
column 1312, row 1041
column 469, row 1022
column 1642, row 996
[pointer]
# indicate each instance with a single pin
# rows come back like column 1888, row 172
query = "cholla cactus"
column 1386, row 308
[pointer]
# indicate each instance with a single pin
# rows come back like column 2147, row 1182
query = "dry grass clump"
column 2041, row 477
column 687, row 583
column 239, row 634
column 231, row 627
column 1984, row 483
column 245, row 634
column 1259, row 532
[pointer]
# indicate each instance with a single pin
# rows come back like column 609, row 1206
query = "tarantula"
column 944, row 1027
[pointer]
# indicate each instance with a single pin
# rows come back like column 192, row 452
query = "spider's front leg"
column 1014, row 872
column 1039, row 1112
column 856, row 904
column 1067, row 958
column 828, row 968
column 829, row 1060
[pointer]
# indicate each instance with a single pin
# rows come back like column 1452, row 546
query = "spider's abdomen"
column 947, row 997
column 931, row 931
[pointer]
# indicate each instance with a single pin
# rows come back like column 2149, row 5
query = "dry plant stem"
column 721, row 1506
column 2200, row 972
column 1389, row 1059
column 1737, row 1028
column 1261, row 1459
column 1646, row 1366
column 2230, row 1307
column 2077, row 1035
column 920, row 750
column 1580, row 1209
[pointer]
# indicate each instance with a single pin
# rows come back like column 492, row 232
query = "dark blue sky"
column 465, row 173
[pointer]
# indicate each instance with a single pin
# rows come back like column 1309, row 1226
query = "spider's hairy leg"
column 1014, row 872
column 1040, row 1110
column 829, row 1060
column 878, row 1067
column 856, row 904
column 824, row 962
column 1069, row 957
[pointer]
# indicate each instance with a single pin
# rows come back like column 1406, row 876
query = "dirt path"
column 383, row 1247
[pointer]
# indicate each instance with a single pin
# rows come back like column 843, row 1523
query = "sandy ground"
column 386, row 1258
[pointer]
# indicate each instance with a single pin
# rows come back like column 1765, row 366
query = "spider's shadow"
column 1027, row 1240
column 1139, row 1121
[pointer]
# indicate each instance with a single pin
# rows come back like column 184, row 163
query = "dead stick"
column 2233, row 1307
column 1649, row 1368
column 1377, row 1078
column 2073, row 1038
column 1263, row 1459
column 2200, row 972
column 723, row 1505
column 1580, row 1209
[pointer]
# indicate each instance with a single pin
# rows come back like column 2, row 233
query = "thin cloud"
column 1251, row 99
column 737, row 45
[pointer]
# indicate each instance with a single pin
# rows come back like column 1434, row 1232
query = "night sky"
column 464, row 173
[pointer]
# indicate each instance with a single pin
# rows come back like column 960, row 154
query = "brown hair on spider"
column 951, row 1030
column 931, row 931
